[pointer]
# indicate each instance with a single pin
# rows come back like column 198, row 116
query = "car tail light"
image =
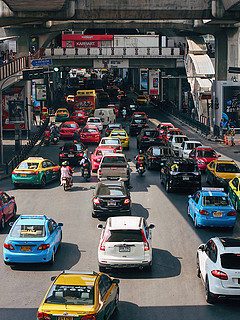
column 43, row 316
column 153, row 158
column 126, row 201
column 99, row 173
column 219, row 274
column 14, row 172
column 144, row 137
column 44, row 246
column 102, row 246
column 61, row 155
column 8, row 246
column 133, row 125
column 96, row 201
column 90, row 317
column 79, row 154
column 55, row 169
column 146, row 125
column 231, row 213
column 204, row 212
column 159, row 137
column 33, row 173
column 126, row 139
column 146, row 244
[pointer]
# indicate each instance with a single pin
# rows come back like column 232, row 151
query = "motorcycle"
column 141, row 169
column 55, row 139
column 86, row 171
column 46, row 138
column 66, row 184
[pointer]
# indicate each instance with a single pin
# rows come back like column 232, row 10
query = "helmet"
column 140, row 151
column 64, row 163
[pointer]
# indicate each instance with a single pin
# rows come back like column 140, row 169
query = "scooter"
column 46, row 138
column 141, row 169
column 86, row 172
column 65, row 182
column 55, row 139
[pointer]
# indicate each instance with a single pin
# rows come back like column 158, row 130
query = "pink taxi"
column 99, row 152
column 90, row 134
column 69, row 129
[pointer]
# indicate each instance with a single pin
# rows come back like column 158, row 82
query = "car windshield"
column 69, row 147
column 227, row 167
column 109, row 141
column 206, row 154
column 94, row 120
column 151, row 134
column 113, row 159
column 28, row 165
column 216, row 201
column 139, row 121
column 118, row 134
column 103, row 152
column 89, row 130
column 192, row 145
column 141, row 97
column 69, row 125
column 230, row 260
column 180, row 139
column 175, row 133
column 125, row 236
column 70, row 295
column 138, row 115
column 28, row 231
column 62, row 111
column 78, row 114
column 106, row 190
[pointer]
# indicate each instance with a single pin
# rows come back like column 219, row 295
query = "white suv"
column 218, row 264
column 187, row 147
column 125, row 243
column 175, row 142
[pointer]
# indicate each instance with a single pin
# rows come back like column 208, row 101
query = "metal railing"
column 10, row 165
column 13, row 67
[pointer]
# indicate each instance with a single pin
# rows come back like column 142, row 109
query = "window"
column 28, row 231
column 211, row 250
column 196, row 197
column 52, row 226
column 206, row 154
column 117, row 191
column 106, row 281
column 216, row 201
column 118, row 134
column 230, row 260
column 190, row 146
column 113, row 160
column 28, row 165
column 4, row 198
column 151, row 134
column 69, row 147
column 69, row 125
column 102, row 288
column 235, row 183
column 125, row 235
column 110, row 141
column 227, row 167
column 90, row 130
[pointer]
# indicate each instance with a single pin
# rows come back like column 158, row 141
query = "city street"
column 170, row 291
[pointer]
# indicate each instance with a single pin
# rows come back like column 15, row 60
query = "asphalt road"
column 171, row 291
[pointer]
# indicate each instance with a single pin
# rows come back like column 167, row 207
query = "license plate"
column 217, row 214
column 70, row 155
column 111, row 203
column 25, row 249
column 185, row 178
column 124, row 249
column 23, row 175
column 65, row 318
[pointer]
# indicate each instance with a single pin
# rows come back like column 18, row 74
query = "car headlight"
column 173, row 173
column 200, row 161
column 197, row 173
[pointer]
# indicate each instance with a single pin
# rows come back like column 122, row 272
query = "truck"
column 85, row 100
column 114, row 167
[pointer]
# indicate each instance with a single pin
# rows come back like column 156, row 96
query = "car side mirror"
column 116, row 281
column 201, row 247
column 151, row 226
column 100, row 226
column 60, row 224
column 53, row 278
column 10, row 224
column 12, row 197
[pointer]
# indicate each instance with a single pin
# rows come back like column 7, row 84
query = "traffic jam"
column 93, row 135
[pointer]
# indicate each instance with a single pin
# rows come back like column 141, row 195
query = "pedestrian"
column 193, row 113
column 34, row 118
column 232, row 133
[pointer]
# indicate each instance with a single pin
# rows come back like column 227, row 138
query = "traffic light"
column 30, row 74
column 66, row 69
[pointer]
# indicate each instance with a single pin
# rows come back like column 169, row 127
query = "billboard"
column 110, row 63
column 143, row 79
column 154, row 82
column 16, row 111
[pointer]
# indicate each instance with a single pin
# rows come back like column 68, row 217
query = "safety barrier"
column 227, row 138
column 13, row 67
column 26, row 148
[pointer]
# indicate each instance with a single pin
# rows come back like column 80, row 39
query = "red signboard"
column 86, row 44
column 84, row 37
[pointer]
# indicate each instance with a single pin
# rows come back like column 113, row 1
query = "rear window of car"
column 138, row 115
column 103, row 152
column 227, row 167
column 78, row 114
column 89, row 130
column 151, row 134
column 70, row 147
column 175, row 133
column 125, row 236
column 230, row 260
column 139, row 121
column 110, row 141
column 190, row 146
column 118, row 134
column 105, row 190
column 114, row 126
column 94, row 120
column 113, row 159
column 69, row 125
column 28, row 231
column 187, row 167
column 215, row 201
column 70, row 295
column 163, row 151
column 206, row 153
column 180, row 139
column 28, row 165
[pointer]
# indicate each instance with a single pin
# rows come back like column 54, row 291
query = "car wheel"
column 15, row 185
column 117, row 300
column 195, row 222
column 43, row 181
column 209, row 296
column 94, row 215
column 167, row 187
column 236, row 205
column 198, row 268
column 161, row 178
column 2, row 225
column 102, row 269
column 207, row 180
column 60, row 241
column 14, row 212
column 53, row 257
column 188, row 211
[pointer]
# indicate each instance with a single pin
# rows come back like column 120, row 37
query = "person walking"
column 232, row 133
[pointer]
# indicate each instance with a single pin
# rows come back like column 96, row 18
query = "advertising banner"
column 86, row 44
column 111, row 63
column 154, row 82
column 16, row 111
column 143, row 79
column 41, row 92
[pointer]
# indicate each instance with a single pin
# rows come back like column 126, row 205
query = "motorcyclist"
column 53, row 130
column 140, row 159
column 85, row 160
column 66, row 172
column 124, row 112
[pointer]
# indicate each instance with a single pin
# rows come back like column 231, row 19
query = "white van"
column 106, row 115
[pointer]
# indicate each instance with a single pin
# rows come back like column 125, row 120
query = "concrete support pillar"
column 23, row 45
column 221, row 55
column 179, row 94
column 28, row 100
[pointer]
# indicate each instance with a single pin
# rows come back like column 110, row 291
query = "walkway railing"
column 13, row 67
column 26, row 148
column 113, row 52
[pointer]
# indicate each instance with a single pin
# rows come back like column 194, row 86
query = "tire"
column 149, row 166
column 207, row 180
column 15, row 185
column 198, row 268
column 94, row 215
column 195, row 222
column 65, row 187
column 43, row 181
column 148, row 268
column 167, row 187
column 188, row 211
column 102, row 269
column 116, row 301
column 2, row 224
column 53, row 257
column 209, row 296
column 14, row 212
column 161, row 178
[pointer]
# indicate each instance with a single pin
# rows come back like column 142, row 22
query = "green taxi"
column 234, row 192
column 62, row 115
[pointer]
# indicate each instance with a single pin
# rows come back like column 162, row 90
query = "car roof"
column 213, row 193
column 62, row 109
column 124, row 222
column 71, row 122
column 179, row 136
column 110, row 138
column 118, row 130
column 227, row 245
column 90, row 127
column 114, row 124
column 91, row 118
column 224, row 160
column 193, row 141
column 34, row 159
column 204, row 148
column 32, row 219
column 76, row 278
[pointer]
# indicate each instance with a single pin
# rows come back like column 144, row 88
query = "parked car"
column 137, row 124
column 83, row 295
column 114, row 142
column 95, row 122
column 72, row 152
column 148, row 137
column 8, row 208
column 187, row 147
column 111, row 198
column 99, row 152
column 157, row 156
column 32, row 239
column 175, row 143
column 112, row 126
column 178, row 173
column 220, row 171
column 126, row 242
column 203, row 155
column 35, row 171
column 90, row 134
column 234, row 192
column 69, row 129
column 79, row 116
column 211, row 207
column 218, row 263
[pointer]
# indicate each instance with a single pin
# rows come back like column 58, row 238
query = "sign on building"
column 154, row 82
column 110, row 63
column 16, row 111
column 143, row 79
column 41, row 92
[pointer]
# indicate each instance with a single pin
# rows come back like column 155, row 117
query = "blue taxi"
column 32, row 239
column 211, row 207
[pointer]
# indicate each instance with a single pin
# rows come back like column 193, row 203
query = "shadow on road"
column 139, row 211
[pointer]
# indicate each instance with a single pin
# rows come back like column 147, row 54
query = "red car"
column 90, row 134
column 79, row 116
column 69, row 129
column 139, row 114
column 163, row 126
column 8, row 208
column 96, row 157
column 114, row 107
column 203, row 156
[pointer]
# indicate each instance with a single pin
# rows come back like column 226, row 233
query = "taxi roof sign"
column 212, row 189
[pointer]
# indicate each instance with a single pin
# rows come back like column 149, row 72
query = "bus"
column 85, row 100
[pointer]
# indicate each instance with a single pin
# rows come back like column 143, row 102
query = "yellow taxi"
column 70, row 98
column 141, row 100
column 234, row 192
column 76, row 295
column 220, row 171
column 62, row 114
column 122, row 135
column 35, row 171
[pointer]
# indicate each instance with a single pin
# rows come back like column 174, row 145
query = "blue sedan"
column 211, row 207
column 32, row 239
